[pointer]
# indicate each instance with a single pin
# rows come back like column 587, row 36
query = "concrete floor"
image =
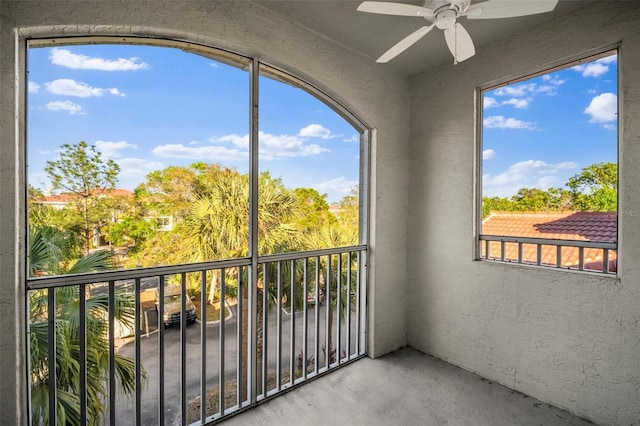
column 404, row 388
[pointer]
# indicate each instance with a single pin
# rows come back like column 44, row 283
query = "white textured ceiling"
column 372, row 34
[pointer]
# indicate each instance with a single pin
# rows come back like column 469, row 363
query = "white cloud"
column 596, row 68
column 34, row 87
column 203, row 153
column 71, row 60
column 488, row 154
column 338, row 185
column 529, row 174
column 68, row 106
column 519, row 103
column 489, row 102
column 68, row 87
column 603, row 108
column 273, row 146
column 500, row 122
column 517, row 90
column 353, row 139
column 112, row 149
column 138, row 168
column 316, row 131
column 213, row 65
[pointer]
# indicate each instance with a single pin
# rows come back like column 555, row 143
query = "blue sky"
column 150, row 107
column 539, row 132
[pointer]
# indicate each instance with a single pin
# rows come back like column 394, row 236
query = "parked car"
column 173, row 306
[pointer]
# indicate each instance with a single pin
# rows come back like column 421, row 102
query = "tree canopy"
column 595, row 188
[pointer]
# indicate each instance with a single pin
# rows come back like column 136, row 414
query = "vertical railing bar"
column 559, row 256
column 279, row 328
column 317, row 316
column 112, row 354
column 221, row 341
column 305, row 319
column 486, row 249
column 328, row 319
column 161, row 350
column 338, row 307
column 203, row 345
column 580, row 258
column 265, row 327
column 502, row 250
column 358, row 293
column 362, row 303
column 82, row 337
column 519, row 252
column 539, row 254
column 348, row 340
column 53, row 379
column 292, row 324
column 136, row 333
column 239, row 364
column 605, row 261
column 183, row 348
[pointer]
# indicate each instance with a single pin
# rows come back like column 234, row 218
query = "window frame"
column 557, row 65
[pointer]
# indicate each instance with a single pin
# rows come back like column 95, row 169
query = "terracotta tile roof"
column 581, row 226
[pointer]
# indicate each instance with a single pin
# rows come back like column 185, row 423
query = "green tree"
column 81, row 173
column 48, row 255
column 595, row 188
column 311, row 209
column 498, row 204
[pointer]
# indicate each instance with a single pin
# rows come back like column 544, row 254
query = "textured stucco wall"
column 377, row 95
column 568, row 339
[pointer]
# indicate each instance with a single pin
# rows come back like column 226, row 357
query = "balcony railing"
column 590, row 256
column 99, row 350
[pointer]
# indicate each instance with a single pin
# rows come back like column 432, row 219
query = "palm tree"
column 218, row 227
column 47, row 256
column 341, row 234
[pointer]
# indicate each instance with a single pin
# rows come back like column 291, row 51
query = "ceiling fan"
column 443, row 14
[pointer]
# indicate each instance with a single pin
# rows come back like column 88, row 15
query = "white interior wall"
column 569, row 339
column 377, row 95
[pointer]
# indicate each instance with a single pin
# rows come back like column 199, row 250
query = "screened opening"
column 549, row 168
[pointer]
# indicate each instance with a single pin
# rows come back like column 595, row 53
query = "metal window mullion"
column 265, row 328
column 82, row 337
column 112, row 354
column 254, row 68
column 279, row 328
column 52, row 346
column 292, row 324
column 317, row 317
column 161, row 350
column 305, row 319
column 138, row 364
column 221, row 341
column 183, row 348
column 203, row 345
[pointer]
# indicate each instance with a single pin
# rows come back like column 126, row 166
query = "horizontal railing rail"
column 310, row 316
column 485, row 252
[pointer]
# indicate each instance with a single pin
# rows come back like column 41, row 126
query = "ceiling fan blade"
column 388, row 8
column 404, row 44
column 492, row 9
column 459, row 43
